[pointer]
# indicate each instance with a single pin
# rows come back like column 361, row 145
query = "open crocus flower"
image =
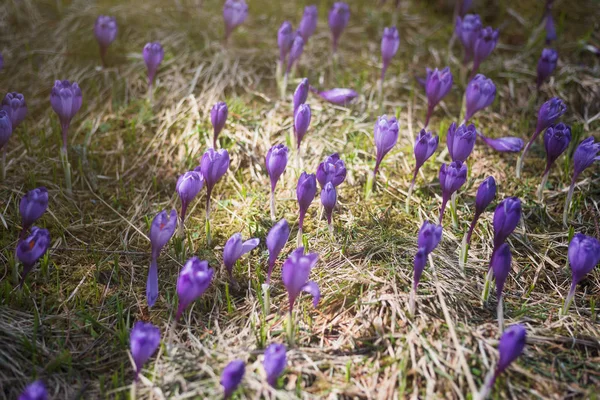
column 232, row 376
column 390, row 42
column 31, row 249
column 295, row 52
column 218, row 117
column 34, row 391
column 153, row 55
column 308, row 24
column 467, row 29
column 506, row 218
column 32, row 206
column 480, row 93
column 337, row 96
column 294, row 274
column 276, row 162
column 461, row 141
column 486, row 42
column 584, row 156
column 437, row 86
column 105, row 30
column 213, row 166
column 584, row 255
column 425, row 145
column 300, row 94
column 144, row 339
column 305, row 193
column 331, row 170
column 546, row 65
column 162, row 228
column 234, row 249
column 339, row 15
column 274, row 362
column 429, row 237
column 276, row 240
column 485, row 195
column 188, row 186
column 452, row 177
column 386, row 135
column 329, row 199
column 556, row 141
column 285, row 38
column 235, row 13
column 15, row 106
column 193, row 280
column 500, row 265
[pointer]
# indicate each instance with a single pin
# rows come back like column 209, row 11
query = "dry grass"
column 70, row 325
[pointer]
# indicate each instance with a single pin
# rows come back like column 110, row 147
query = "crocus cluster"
column 556, row 140
column 234, row 249
column 437, row 85
column 161, row 230
column 584, row 156
column 235, row 13
column 34, row 391
column 390, row 42
column 275, row 163
column 213, row 165
column 153, row 55
column 478, row 42
column 105, row 30
column 583, row 255
column 232, row 376
column 546, row 65
column 429, row 237
column 330, row 174
column 339, row 15
column 144, row 339
column 218, row 118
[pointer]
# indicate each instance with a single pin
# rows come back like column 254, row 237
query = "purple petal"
column 312, row 288
column 505, row 144
column 249, row 245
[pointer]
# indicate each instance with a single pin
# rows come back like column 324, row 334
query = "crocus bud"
column 429, row 237
column 419, row 265
column 235, row 13
column 338, row 96
column 467, row 29
column 425, row 145
column 339, row 15
column 232, row 376
column 33, row 205
column 16, row 108
column 161, row 230
column 584, row 255
column 301, row 122
column 510, row 347
column 556, row 141
column 328, row 199
column 585, row 155
column 144, row 339
column 549, row 112
column 32, row 248
column 235, row 248
column 452, row 177
column 188, row 186
column 305, row 192
column 66, row 100
column 294, row 274
column 389, row 47
column 1, row 62
column 213, row 166
column 486, row 42
column 505, row 144
column 308, row 24
column 34, row 391
column 546, row 65
column 386, row 136
column 275, row 162
column 506, row 219
column 461, row 141
column 105, row 30
column 500, row 264
column 485, row 194
column 295, row 51
column 274, row 362
column 331, row 170
column 285, row 37
column 301, row 94
column 153, row 55
column 550, row 27
column 480, row 93
column 276, row 240
column 218, row 117
column 437, row 87
column 5, row 128
column 193, row 280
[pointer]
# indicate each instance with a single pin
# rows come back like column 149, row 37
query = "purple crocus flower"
column 232, row 376
column 500, row 265
column 485, row 195
column 549, row 25
column 329, row 199
column 66, row 100
column 305, row 192
column 300, row 94
column 504, row 144
column 32, row 206
column 584, row 255
column 556, row 140
column 153, row 55
column 461, row 141
column 438, row 85
column 15, row 106
column 546, row 65
column 193, row 280
column 218, row 117
column 144, row 339
column 276, row 240
column 301, row 122
column 1, row 62
column 389, row 47
column 274, row 362
column 452, row 177
column 386, row 135
column 467, row 29
column 31, row 249
column 213, row 166
column 339, row 15
column 276, row 162
column 429, row 237
column 294, row 274
column 486, row 42
column 5, row 129
column 235, row 13
column 308, row 24
column 188, row 186
column 285, row 38
column 337, row 96
column 480, row 93
column 465, row 6
column 331, row 170
column 162, row 228
column 295, row 52
column 34, row 391
column 506, row 218
column 105, row 30
column 585, row 155
column 425, row 145
column 234, row 249
column 510, row 347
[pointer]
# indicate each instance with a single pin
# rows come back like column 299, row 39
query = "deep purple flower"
column 144, row 339
column 480, row 93
column 300, row 94
column 153, row 55
column 338, row 96
column 1, row 62
column 425, row 145
column 390, row 42
column 285, row 38
column 5, row 128
column 305, row 192
column 66, row 100
column 218, row 117
column 276, row 162
column 585, row 155
column 15, row 106
column 429, row 236
column 235, row 248
column 161, row 230
column 34, row 391
column 308, row 24
column 500, row 264
column 486, row 42
column 584, row 255
column 386, row 136
column 485, row 195
column 294, row 274
column 549, row 25
column 546, row 65
column 452, row 177
column 188, row 186
column 467, row 29
column 276, row 240
column 439, row 83
column 33, row 205
column 504, row 144
column 235, row 13
column 419, row 265
column 194, row 278
column 510, row 347
column 232, row 376
column 331, row 170
column 105, row 30
column 32, row 248
column 461, row 141
column 339, row 15
column 506, row 218
column 213, row 166
column 301, row 122
column 328, row 199
column 295, row 51
column 556, row 141
column 274, row 362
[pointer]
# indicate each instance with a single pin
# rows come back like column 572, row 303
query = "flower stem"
column 522, row 157
column 290, row 328
column 568, row 201
column 464, row 251
column 487, row 387
column 411, row 301
column 3, row 163
column 284, row 85
column 569, row 299
column 442, row 209
column 207, row 226
column 486, row 287
column 64, row 158
column 540, row 191
column 266, row 299
column 410, row 190
column 454, row 211
column 369, row 186
column 500, row 313
column 273, row 209
column 299, row 238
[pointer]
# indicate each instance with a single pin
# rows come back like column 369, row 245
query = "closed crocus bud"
column 549, row 112
column 429, row 237
column 5, row 128
column 294, row 274
column 452, row 177
column 425, row 145
column 419, row 265
column 66, row 100
column 144, row 339
column 213, row 166
column 276, row 240
column 480, row 93
column 105, row 30
column 34, row 391
column 550, row 27
column 161, row 230
column 1, row 62
column 235, row 13
column 556, row 141
column 301, row 122
column 500, row 264
column 331, row 170
column 300, row 94
column 232, row 376
column 276, row 162
column 510, row 346
column 389, row 47
column 32, row 248
column 584, row 255
column 339, row 15
column 308, row 24
column 546, row 65
column 234, row 249
column 585, row 155
column 328, row 199
column 467, row 29
column 193, row 280
column 338, row 96
column 295, row 51
column 274, row 362
column 33, row 205
column 188, row 186
column 505, row 144
column 506, row 218
column 305, row 192
column 218, row 117
column 16, row 108
column 486, row 42
column 439, row 83
column 285, row 38
column 386, row 136
column 485, row 194
column 461, row 141
column 153, row 54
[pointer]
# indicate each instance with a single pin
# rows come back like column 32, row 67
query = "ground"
column 70, row 324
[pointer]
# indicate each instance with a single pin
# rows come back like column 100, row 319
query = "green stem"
column 500, row 313
column 266, row 299
column 64, row 158
column 569, row 299
column 486, row 287
column 207, row 226
column 290, row 329
column 568, row 201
